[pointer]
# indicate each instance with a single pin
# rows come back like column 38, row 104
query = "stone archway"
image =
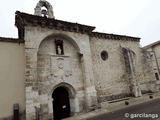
column 45, row 4
column 60, row 36
column 68, row 92
column 61, row 103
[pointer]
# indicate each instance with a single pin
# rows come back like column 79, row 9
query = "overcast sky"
column 137, row 18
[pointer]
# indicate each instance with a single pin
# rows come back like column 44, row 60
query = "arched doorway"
column 61, row 105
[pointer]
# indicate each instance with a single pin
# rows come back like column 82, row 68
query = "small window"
column 156, row 75
column 104, row 55
column 59, row 47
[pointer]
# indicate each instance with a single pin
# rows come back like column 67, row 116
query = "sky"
column 137, row 18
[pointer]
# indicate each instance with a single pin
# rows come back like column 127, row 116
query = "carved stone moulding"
column 23, row 19
column 13, row 40
column 114, row 36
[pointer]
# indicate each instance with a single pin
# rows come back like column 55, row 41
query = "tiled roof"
column 151, row 45
column 114, row 36
column 13, row 40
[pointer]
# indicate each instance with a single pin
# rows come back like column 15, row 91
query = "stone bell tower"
column 47, row 13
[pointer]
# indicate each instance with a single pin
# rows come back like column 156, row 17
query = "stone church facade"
column 69, row 69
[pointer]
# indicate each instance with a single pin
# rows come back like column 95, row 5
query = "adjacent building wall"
column 156, row 59
column 12, row 72
column 154, row 51
column 147, row 83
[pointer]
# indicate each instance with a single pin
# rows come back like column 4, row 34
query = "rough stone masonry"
column 86, row 68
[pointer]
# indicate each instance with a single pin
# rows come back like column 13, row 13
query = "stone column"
column 31, row 83
column 129, row 60
column 134, row 81
column 88, row 80
column 136, row 90
column 74, row 105
column 50, row 107
column 37, row 11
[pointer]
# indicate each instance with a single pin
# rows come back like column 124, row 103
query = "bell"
column 44, row 13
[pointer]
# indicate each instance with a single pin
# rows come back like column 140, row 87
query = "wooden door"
column 61, row 105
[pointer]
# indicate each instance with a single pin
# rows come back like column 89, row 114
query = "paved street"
column 145, row 111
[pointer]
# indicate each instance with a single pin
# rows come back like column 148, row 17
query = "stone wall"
column 83, row 62
column 46, row 71
column 90, row 66
column 146, row 75
column 54, row 69
column 108, row 74
column 154, row 52
column 111, row 76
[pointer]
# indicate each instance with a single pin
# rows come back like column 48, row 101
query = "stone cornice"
column 23, row 19
column 13, row 40
column 114, row 36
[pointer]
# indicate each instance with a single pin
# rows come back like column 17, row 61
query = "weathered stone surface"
column 69, row 55
column 82, row 68
column 38, row 10
column 53, row 53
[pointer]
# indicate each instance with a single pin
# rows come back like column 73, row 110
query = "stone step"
column 117, row 100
